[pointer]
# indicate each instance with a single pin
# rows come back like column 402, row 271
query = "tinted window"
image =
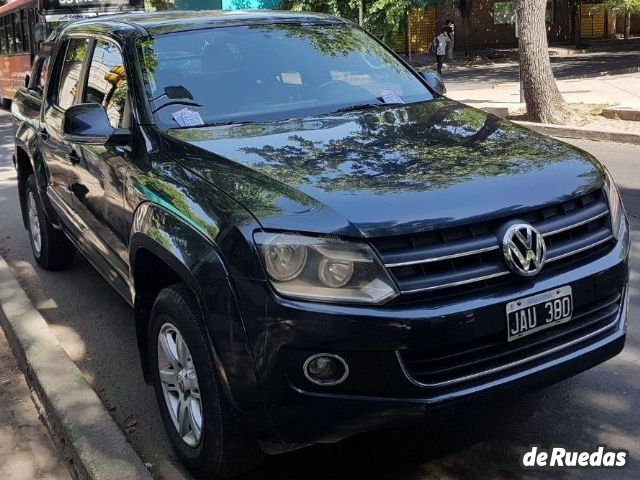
column 107, row 83
column 77, row 49
column 269, row 72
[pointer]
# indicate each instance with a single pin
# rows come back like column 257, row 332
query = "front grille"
column 453, row 366
column 469, row 258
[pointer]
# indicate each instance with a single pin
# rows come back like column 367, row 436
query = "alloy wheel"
column 180, row 384
column 34, row 223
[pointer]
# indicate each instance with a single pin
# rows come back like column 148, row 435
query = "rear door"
column 62, row 92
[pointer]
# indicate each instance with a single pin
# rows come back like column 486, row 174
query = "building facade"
column 492, row 24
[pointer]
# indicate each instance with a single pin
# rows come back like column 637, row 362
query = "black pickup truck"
column 316, row 242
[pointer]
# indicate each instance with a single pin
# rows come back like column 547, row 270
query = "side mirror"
column 88, row 124
column 434, row 82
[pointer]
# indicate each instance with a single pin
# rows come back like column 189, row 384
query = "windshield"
column 270, row 72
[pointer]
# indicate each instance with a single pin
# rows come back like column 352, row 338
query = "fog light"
column 325, row 369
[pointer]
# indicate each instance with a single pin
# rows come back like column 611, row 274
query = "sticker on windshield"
column 389, row 96
column 187, row 118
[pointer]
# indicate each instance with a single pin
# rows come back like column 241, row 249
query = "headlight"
column 615, row 205
column 324, row 269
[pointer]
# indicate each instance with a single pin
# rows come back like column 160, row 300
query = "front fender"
column 196, row 260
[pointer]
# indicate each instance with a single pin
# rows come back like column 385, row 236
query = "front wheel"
column 202, row 429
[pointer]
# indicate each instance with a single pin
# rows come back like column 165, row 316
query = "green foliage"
column 159, row 5
column 383, row 18
column 622, row 6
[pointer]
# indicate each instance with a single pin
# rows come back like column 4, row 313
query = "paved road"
column 600, row 406
column 563, row 67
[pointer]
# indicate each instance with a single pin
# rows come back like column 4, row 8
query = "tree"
column 541, row 94
column 383, row 18
column 622, row 7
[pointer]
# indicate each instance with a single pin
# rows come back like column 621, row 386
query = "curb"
column 622, row 113
column 581, row 132
column 86, row 436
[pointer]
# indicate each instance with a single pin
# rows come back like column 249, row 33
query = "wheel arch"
column 165, row 250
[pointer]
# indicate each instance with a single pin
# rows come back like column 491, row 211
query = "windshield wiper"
column 365, row 106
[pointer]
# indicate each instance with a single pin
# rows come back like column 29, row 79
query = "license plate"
column 538, row 312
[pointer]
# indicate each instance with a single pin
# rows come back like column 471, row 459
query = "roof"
column 156, row 23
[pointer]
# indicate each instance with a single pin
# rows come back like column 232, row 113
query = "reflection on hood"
column 419, row 163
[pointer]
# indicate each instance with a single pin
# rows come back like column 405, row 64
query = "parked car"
column 316, row 242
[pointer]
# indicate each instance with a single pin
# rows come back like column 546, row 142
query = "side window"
column 42, row 75
column 3, row 36
column 17, row 32
column 9, row 29
column 77, row 49
column 107, row 83
column 38, row 75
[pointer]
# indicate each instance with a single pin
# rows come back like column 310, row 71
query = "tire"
column 211, row 443
column 51, row 248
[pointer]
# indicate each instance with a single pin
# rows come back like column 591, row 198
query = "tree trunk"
column 577, row 23
column 627, row 25
column 541, row 94
column 611, row 23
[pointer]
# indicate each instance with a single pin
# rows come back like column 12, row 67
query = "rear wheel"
column 199, row 422
column 51, row 248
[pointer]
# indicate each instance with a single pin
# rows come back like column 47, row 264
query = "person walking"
column 442, row 42
column 450, row 27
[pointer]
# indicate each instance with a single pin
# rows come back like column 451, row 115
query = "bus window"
column 17, row 32
column 77, row 49
column 24, row 25
column 8, row 26
column 3, row 37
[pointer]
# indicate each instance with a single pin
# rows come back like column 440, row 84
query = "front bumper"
column 380, row 391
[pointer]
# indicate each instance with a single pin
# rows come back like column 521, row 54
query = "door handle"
column 73, row 157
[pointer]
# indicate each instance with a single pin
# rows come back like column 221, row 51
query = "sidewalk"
column 26, row 450
column 556, row 51
column 619, row 91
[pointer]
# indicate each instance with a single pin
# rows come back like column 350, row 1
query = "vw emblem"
column 524, row 249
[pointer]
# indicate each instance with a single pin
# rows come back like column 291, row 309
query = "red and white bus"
column 25, row 24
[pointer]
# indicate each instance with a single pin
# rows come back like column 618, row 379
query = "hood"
column 387, row 171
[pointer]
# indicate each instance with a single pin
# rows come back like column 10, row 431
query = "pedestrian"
column 441, row 44
column 450, row 27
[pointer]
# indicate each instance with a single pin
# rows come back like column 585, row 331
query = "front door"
column 97, row 180
column 60, row 156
